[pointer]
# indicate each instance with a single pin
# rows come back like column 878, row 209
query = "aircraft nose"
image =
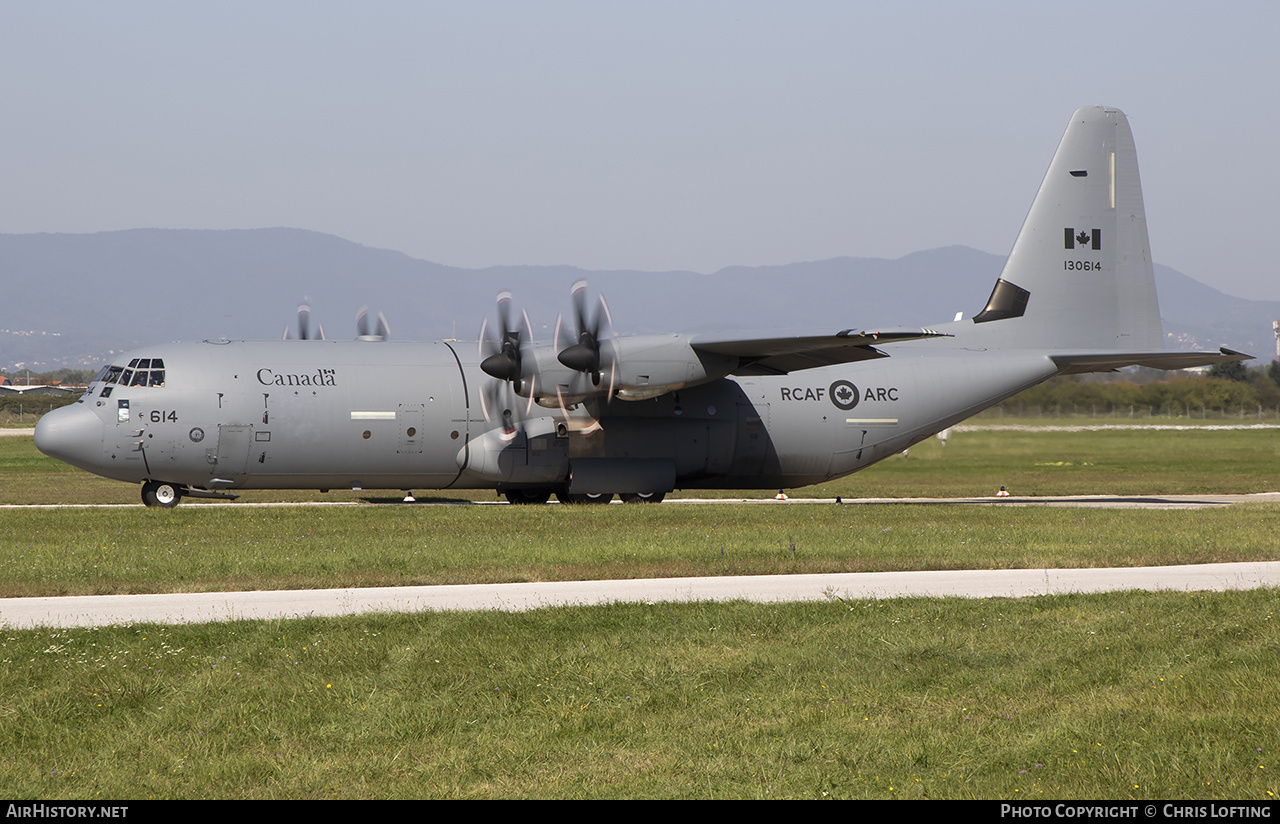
column 72, row 434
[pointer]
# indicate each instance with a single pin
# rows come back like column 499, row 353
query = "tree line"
column 1226, row 389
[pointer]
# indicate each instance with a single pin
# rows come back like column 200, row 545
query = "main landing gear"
column 161, row 494
column 642, row 497
column 564, row 496
column 527, row 496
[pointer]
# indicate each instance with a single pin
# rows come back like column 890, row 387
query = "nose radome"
column 72, row 434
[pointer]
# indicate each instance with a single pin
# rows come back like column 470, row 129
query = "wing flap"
column 788, row 351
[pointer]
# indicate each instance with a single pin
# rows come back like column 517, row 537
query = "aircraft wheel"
column 527, row 496
column 643, row 497
column 163, row 495
column 584, row 497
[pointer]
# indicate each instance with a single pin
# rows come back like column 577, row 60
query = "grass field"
column 972, row 463
column 1120, row 696
column 1125, row 695
column 79, row 552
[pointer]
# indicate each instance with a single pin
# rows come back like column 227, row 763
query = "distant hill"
column 72, row 300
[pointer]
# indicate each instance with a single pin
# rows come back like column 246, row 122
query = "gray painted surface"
column 25, row 613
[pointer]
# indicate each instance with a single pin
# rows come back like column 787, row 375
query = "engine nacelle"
column 633, row 368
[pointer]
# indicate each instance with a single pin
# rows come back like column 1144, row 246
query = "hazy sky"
column 645, row 135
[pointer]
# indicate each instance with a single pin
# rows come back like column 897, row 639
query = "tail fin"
column 1080, row 275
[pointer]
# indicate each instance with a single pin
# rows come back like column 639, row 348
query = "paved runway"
column 97, row 610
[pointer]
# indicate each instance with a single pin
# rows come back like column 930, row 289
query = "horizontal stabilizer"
column 1079, row 364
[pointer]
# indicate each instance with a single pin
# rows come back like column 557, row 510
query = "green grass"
column 976, row 463
column 1120, row 696
column 104, row 551
column 192, row 548
column 1111, row 462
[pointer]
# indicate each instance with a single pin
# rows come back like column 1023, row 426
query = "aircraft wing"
column 1079, row 363
column 789, row 351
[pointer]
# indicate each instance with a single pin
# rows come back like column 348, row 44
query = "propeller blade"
column 579, row 425
column 495, row 401
column 578, row 297
column 604, row 310
column 304, row 321
column 504, row 312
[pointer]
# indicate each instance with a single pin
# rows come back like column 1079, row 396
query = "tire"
column 643, row 497
column 527, row 496
column 161, row 494
column 584, row 497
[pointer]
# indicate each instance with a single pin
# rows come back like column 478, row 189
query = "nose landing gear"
column 161, row 494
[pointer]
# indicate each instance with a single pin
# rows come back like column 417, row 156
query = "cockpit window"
column 139, row 372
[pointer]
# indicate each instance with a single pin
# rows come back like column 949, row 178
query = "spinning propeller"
column 584, row 355
column 502, row 356
column 304, row 324
column 508, row 355
column 381, row 331
column 503, row 361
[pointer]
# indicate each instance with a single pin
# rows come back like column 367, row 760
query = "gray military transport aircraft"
column 591, row 415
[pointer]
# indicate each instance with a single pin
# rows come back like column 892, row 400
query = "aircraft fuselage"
column 401, row 415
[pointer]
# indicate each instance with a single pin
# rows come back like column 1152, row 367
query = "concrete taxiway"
column 1095, row 501
column 98, row 610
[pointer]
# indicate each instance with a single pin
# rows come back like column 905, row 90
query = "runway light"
column 1003, row 493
